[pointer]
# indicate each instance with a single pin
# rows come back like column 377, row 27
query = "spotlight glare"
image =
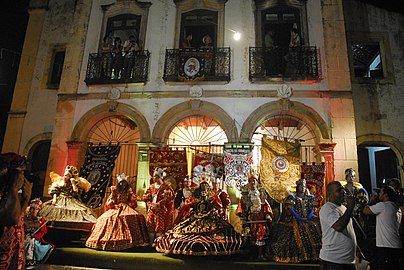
column 237, row 36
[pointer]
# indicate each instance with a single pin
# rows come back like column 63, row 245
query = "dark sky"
column 13, row 22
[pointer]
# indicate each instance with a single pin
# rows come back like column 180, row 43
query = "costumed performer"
column 361, row 197
column 202, row 231
column 65, row 205
column 256, row 215
column 15, row 191
column 121, row 226
column 297, row 237
column 224, row 199
column 160, row 207
column 180, row 198
column 37, row 250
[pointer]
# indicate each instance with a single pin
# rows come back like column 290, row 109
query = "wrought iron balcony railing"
column 197, row 64
column 111, row 68
column 296, row 64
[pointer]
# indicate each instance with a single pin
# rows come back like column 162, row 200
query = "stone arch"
column 47, row 136
column 190, row 108
column 85, row 123
column 390, row 141
column 293, row 108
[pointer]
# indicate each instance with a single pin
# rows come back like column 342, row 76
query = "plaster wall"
column 378, row 104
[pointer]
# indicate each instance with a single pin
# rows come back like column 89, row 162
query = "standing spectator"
column 186, row 42
column 338, row 235
column 388, row 220
column 292, row 58
column 117, row 63
column 15, row 192
column 130, row 46
column 159, row 200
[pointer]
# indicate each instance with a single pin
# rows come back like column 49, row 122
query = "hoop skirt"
column 202, row 232
column 118, row 229
column 67, row 209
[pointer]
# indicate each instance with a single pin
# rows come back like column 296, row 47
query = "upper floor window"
column 55, row 75
column 367, row 60
column 279, row 21
column 123, row 26
column 198, row 29
column 370, row 57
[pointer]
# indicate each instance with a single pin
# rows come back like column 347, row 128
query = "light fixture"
column 237, row 35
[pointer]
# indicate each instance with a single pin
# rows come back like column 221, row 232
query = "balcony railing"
column 197, row 64
column 111, row 68
column 297, row 64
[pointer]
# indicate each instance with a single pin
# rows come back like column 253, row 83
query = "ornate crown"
column 71, row 170
column 122, row 177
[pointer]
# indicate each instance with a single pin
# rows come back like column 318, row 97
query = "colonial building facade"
column 236, row 78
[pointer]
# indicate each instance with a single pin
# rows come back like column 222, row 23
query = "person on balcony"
column 130, row 46
column 292, row 58
column 208, row 46
column 106, row 48
column 117, row 62
column 186, row 42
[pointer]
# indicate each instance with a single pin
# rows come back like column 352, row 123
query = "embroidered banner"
column 237, row 168
column 315, row 177
column 98, row 166
column 174, row 160
column 192, row 64
column 212, row 165
column 279, row 167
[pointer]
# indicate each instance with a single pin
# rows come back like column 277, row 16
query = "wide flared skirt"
column 119, row 229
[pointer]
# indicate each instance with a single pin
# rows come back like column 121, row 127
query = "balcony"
column 110, row 68
column 197, row 64
column 273, row 64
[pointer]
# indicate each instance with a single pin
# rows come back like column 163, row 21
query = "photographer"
column 15, row 192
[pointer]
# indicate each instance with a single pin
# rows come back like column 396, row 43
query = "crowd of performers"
column 193, row 220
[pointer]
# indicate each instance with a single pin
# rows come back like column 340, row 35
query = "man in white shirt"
column 388, row 220
column 338, row 235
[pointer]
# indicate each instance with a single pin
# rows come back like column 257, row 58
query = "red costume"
column 160, row 207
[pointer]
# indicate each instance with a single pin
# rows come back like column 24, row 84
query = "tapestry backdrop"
column 98, row 166
column 279, row 167
column 175, row 162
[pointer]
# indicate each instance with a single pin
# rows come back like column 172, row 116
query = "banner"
column 237, row 168
column 175, row 162
column 98, row 166
column 279, row 167
column 207, row 164
column 315, row 177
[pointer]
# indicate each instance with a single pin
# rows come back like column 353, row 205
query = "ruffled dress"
column 68, row 207
column 121, row 226
column 297, row 237
column 202, row 232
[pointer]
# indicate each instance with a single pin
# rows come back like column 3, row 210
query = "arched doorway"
column 377, row 163
column 38, row 157
column 197, row 133
column 290, row 128
column 121, row 131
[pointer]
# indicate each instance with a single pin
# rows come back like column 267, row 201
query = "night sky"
column 13, row 22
